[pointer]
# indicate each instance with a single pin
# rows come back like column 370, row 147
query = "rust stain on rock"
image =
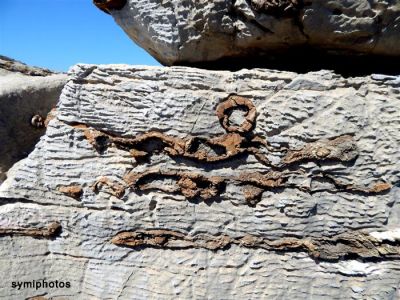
column 233, row 102
column 50, row 116
column 252, row 194
column 99, row 140
column 216, row 149
column 73, row 191
column 380, row 187
column 238, row 140
column 169, row 239
column 200, row 149
column 342, row 246
column 116, row 189
column 256, row 183
column 50, row 231
column 271, row 179
column 196, row 185
column 154, row 238
column 190, row 185
column 342, row 148
column 37, row 298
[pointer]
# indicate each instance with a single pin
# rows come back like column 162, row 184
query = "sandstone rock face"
column 160, row 183
column 27, row 94
column 185, row 32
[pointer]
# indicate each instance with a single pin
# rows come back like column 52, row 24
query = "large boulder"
column 27, row 94
column 188, row 32
column 160, row 183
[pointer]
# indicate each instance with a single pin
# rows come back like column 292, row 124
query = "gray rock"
column 9, row 65
column 160, row 183
column 186, row 32
column 27, row 94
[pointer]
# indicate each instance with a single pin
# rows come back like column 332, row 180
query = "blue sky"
column 59, row 33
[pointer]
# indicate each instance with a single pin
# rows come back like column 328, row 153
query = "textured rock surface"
column 184, row 32
column 11, row 65
column 159, row 183
column 25, row 92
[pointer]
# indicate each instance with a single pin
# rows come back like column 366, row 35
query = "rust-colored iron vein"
column 73, row 191
column 342, row 148
column 114, row 188
column 200, row 149
column 235, row 102
column 50, row 231
column 342, row 246
column 50, row 116
column 377, row 188
column 199, row 186
column 238, row 140
column 37, row 298
column 255, row 183
column 190, row 185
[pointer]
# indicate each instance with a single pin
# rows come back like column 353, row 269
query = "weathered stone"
column 27, row 94
column 184, row 183
column 187, row 32
column 9, row 65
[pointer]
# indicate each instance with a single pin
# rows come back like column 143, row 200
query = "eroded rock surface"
column 186, row 32
column 183, row 183
column 9, row 65
column 27, row 94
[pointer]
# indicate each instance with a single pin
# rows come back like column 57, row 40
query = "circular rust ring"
column 237, row 102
